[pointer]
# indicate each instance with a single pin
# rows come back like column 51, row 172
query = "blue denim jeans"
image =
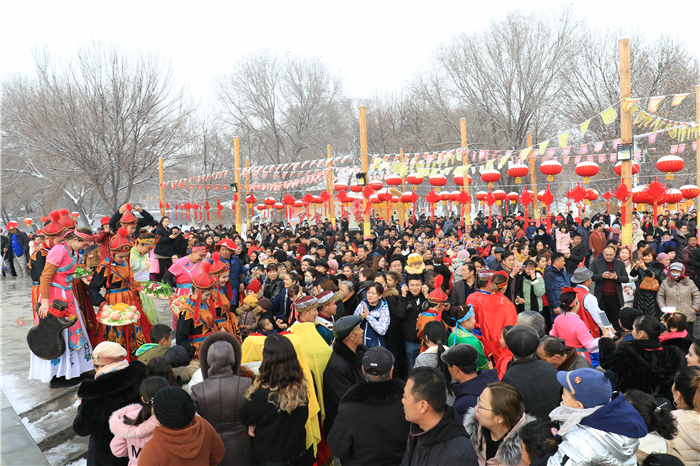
column 412, row 352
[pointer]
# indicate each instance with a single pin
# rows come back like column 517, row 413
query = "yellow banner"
column 609, row 116
column 543, row 146
column 563, row 139
column 584, row 127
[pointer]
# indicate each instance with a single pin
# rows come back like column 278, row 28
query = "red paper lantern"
column 261, row 207
column 393, row 180
column 481, row 197
column 490, row 176
column 690, row 191
column 356, row 188
column 444, row 196
column 459, row 180
column 339, row 186
column 454, row 196
column 670, row 164
column 406, row 198
column 639, row 196
column 513, row 197
column 587, row 170
column 376, row 185
column 374, row 199
column 298, row 203
column 591, row 195
column 394, row 199
column 251, row 199
column 635, row 168
column 75, row 215
column 414, row 179
column 269, row 201
column 550, row 168
column 278, row 206
column 673, row 197
column 438, row 180
column 499, row 195
column 518, row 171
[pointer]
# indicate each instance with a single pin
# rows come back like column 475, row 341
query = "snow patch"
column 80, row 462
column 60, row 453
column 50, row 420
column 37, row 433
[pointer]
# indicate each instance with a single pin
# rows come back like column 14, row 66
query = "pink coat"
column 574, row 332
column 129, row 440
column 563, row 242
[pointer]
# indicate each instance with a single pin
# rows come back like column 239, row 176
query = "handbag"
column 649, row 284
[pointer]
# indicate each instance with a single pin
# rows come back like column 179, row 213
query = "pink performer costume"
column 184, row 271
column 574, row 331
column 78, row 356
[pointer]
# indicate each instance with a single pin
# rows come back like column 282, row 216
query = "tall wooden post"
column 465, row 176
column 626, row 135
column 533, row 180
column 247, row 191
column 237, row 175
column 697, row 151
column 365, row 166
column 402, row 211
column 331, row 201
column 161, row 179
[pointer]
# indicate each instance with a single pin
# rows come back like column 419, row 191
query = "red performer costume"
column 497, row 311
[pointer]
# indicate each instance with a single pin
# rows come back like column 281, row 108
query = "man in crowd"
column 609, row 274
column 461, row 362
column 18, row 249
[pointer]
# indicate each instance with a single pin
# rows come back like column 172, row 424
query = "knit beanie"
column 590, row 387
column 173, row 407
column 628, row 315
column 251, row 300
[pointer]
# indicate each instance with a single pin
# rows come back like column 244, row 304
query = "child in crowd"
column 627, row 317
column 247, row 315
column 506, row 356
column 161, row 336
column 265, row 326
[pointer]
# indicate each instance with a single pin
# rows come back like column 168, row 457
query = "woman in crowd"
column 219, row 398
column 686, row 398
column 676, row 333
column 374, row 311
column 529, row 286
column 660, row 424
column 141, row 268
column 628, row 289
column 693, row 356
column 435, row 339
column 164, row 250
column 679, row 292
column 183, row 271
column 276, row 409
column 494, row 425
column 572, row 329
column 117, row 384
column 650, row 272
column 643, row 363
column 132, row 426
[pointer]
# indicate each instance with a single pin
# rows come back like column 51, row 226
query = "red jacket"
column 103, row 240
column 497, row 311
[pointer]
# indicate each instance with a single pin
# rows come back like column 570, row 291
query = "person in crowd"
column 650, row 270
column 686, row 398
column 117, row 384
column 344, row 367
column 164, row 249
column 326, row 301
column 374, row 312
column 627, row 317
column 609, row 274
column 679, row 292
column 539, row 442
column 643, row 363
column 529, row 288
column 220, row 396
column 413, row 301
column 570, row 327
column 465, row 320
column 675, row 333
column 18, row 250
column 182, row 271
column 556, row 278
column 436, row 435
column 564, row 358
column 660, row 424
column 125, row 218
column 277, row 409
column 371, row 427
column 161, row 336
column 434, row 333
column 693, row 356
column 597, row 240
column 181, row 438
column 497, row 312
column 463, row 288
column 494, row 424
column 563, row 239
column 235, row 287
column 596, row 426
column 133, row 425
column 469, row 381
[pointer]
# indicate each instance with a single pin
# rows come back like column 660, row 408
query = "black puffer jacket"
column 273, row 288
column 344, row 370
column 645, row 300
column 641, row 365
column 164, row 246
column 371, row 427
column 446, row 443
column 100, row 398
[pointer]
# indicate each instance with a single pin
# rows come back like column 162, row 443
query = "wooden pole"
column 161, row 178
column 697, row 150
column 533, row 180
column 403, row 159
column 626, row 136
column 237, row 175
column 247, row 191
column 331, row 201
column 465, row 175
column 363, row 151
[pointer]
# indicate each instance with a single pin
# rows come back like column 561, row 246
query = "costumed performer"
column 497, row 312
column 125, row 217
column 466, row 319
column 141, row 268
column 115, row 276
column 235, row 287
column 224, row 316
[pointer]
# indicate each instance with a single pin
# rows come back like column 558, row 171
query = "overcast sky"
column 375, row 45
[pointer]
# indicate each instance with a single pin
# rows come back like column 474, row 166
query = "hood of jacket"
column 476, row 385
column 184, row 443
column 391, row 292
column 658, row 365
column 120, row 429
column 618, row 417
column 448, row 428
column 375, row 393
column 219, row 360
column 510, row 451
column 119, row 387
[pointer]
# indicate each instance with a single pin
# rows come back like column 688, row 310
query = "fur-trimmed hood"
column 375, row 393
column 120, row 429
column 510, row 451
column 391, row 292
column 206, row 345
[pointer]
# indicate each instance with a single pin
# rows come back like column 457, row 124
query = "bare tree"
column 288, row 108
column 101, row 117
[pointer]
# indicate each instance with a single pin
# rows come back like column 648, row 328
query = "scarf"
column 115, row 366
column 570, row 416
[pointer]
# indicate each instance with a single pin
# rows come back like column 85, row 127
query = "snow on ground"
column 51, row 419
column 59, row 454
column 80, row 462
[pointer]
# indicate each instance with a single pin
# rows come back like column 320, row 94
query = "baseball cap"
column 378, row 361
column 461, row 354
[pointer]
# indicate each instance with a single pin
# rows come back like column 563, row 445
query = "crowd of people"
column 428, row 343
